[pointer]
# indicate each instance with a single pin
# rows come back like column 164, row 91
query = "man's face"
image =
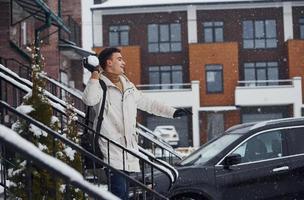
column 116, row 64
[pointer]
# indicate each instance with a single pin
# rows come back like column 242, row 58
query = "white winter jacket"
column 120, row 118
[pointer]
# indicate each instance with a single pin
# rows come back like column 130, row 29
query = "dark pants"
column 119, row 185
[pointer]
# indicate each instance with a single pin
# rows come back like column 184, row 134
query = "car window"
column 295, row 138
column 210, row 150
column 263, row 146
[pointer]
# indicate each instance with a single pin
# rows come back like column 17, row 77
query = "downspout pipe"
column 47, row 24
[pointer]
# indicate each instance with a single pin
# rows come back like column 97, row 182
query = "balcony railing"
column 75, row 28
column 164, row 87
column 270, row 93
column 256, row 83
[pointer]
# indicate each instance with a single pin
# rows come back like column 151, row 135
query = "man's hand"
column 95, row 74
column 181, row 112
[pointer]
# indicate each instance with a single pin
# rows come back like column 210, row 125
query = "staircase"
column 151, row 161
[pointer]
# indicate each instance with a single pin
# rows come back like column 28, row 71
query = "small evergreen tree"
column 25, row 174
column 70, row 156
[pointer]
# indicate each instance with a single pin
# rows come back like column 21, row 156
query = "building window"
column 259, row 34
column 119, row 35
column 214, row 78
column 97, row 1
column 261, row 71
column 166, row 75
column 164, row 38
column 213, row 31
column 301, row 22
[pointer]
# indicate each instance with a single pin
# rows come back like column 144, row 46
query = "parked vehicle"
column 263, row 160
column 168, row 134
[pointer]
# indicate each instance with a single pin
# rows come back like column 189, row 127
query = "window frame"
column 213, row 27
column 119, row 34
column 214, row 70
column 266, row 68
column 254, row 38
column 159, row 40
column 301, row 27
column 151, row 69
column 284, row 145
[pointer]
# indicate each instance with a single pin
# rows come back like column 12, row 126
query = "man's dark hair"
column 106, row 54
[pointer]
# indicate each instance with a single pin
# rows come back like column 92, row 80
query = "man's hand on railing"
column 181, row 112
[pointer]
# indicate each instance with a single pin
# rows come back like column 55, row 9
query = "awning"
column 74, row 52
column 40, row 10
column 218, row 108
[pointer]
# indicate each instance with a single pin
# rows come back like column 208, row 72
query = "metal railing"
column 11, row 140
column 8, row 110
column 52, row 86
column 257, row 83
column 25, row 86
column 159, row 148
column 74, row 27
column 165, row 87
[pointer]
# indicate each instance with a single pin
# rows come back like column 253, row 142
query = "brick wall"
column 225, row 54
column 6, row 51
column 73, row 9
column 295, row 49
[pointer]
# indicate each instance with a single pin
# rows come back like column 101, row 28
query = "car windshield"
column 209, row 150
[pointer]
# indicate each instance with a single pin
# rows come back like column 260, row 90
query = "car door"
column 295, row 148
column 262, row 172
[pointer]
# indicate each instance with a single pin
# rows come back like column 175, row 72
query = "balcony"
column 75, row 28
column 270, row 93
column 178, row 95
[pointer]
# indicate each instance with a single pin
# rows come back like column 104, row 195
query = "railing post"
column 143, row 178
column 3, row 168
column 29, row 179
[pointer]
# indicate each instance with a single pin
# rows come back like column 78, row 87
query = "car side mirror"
column 232, row 159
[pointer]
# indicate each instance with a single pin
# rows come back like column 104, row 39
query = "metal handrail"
column 50, row 81
column 152, row 157
column 77, row 147
column 265, row 83
column 126, row 150
column 36, row 155
column 29, row 84
column 83, row 125
column 23, row 87
column 164, row 87
column 162, row 144
column 159, row 142
column 165, row 84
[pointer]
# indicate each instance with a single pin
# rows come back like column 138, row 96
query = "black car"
column 263, row 160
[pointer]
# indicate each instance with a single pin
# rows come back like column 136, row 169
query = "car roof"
column 275, row 123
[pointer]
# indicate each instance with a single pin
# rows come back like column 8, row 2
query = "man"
column 122, row 102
